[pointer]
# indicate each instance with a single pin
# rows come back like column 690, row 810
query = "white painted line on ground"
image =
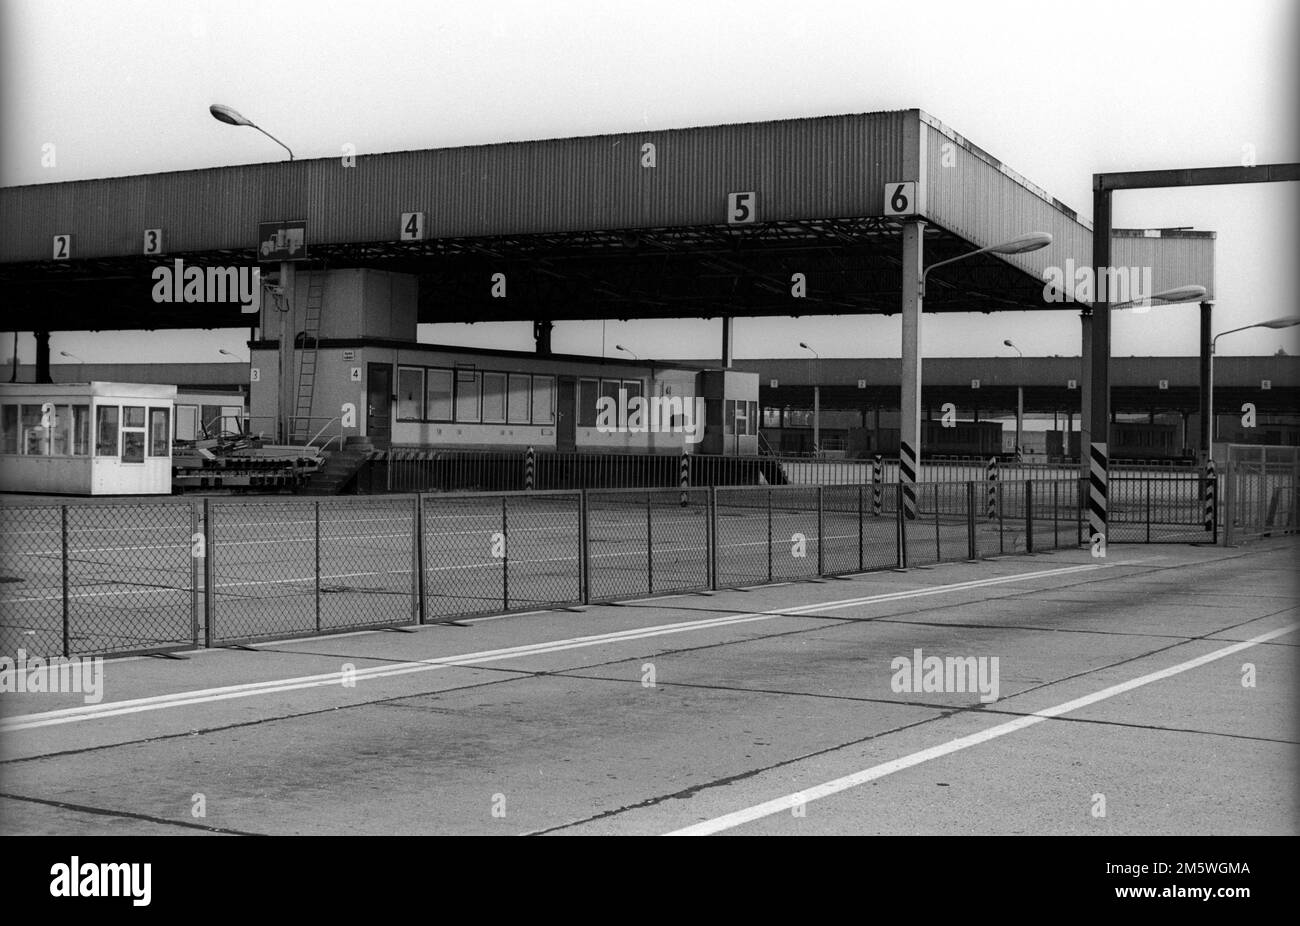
column 276, row 686
column 826, row 789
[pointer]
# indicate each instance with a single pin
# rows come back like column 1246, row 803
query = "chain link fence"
column 126, row 577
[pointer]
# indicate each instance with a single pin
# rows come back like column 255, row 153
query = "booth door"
column 566, row 414
column 379, row 402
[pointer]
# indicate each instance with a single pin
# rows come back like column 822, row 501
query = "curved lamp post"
column 223, row 113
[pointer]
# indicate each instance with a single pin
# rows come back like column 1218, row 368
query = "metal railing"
column 124, row 577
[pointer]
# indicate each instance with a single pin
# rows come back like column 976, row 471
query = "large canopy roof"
column 613, row 226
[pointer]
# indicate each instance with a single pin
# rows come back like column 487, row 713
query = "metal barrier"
column 122, row 577
column 1260, row 492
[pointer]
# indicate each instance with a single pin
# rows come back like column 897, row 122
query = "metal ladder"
column 306, row 390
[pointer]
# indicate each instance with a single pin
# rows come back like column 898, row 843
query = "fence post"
column 1229, row 502
column 769, row 533
column 1148, row 506
column 584, row 543
column 900, row 528
column 505, row 558
column 316, row 570
column 970, row 521
column 194, row 574
column 711, row 537
column 1056, row 512
column 938, row 546
column 530, row 464
column 63, row 531
column 821, row 533
column 862, row 553
column 209, row 587
column 684, row 478
column 417, row 560
column 877, row 483
column 1029, row 516
column 649, row 547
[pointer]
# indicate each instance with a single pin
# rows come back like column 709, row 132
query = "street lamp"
column 227, row 353
column 626, row 351
column 1286, row 321
column 913, row 306
column 229, row 116
column 1168, row 297
column 1020, row 401
column 817, row 406
column 80, row 361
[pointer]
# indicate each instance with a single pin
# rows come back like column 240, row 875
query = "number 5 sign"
column 900, row 198
column 742, row 208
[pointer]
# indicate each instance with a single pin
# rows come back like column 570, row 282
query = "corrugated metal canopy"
column 583, row 228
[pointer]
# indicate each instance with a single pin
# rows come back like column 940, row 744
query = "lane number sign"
column 153, row 242
column 742, row 208
column 900, row 198
column 62, row 247
column 412, row 226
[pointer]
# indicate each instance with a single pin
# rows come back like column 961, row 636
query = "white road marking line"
column 275, row 686
column 826, row 789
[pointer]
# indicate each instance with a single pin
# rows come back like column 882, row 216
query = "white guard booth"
column 86, row 438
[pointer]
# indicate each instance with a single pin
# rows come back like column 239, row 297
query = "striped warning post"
column 877, row 482
column 907, row 477
column 1210, row 495
column 684, row 479
column 529, row 468
column 991, row 477
column 1097, row 493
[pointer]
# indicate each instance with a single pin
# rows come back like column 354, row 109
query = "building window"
column 8, row 428
column 438, row 393
column 106, row 423
column 771, row 417
column 410, row 393
column 494, row 398
column 469, row 399
column 517, row 404
column 159, row 433
column 544, row 400
column 588, row 394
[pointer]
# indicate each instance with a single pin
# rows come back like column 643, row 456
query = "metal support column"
column 909, row 447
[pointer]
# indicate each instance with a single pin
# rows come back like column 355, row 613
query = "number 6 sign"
column 900, row 198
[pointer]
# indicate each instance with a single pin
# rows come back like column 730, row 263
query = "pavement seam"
column 127, row 814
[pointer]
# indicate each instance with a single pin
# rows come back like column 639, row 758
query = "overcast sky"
column 1057, row 92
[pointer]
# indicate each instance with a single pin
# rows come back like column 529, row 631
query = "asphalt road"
column 1150, row 692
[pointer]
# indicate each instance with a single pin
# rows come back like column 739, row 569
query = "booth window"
column 543, row 400
column 80, row 430
column 36, row 435
column 410, row 393
column 133, row 434
column 106, row 420
column 159, row 433
column 494, row 398
column 469, row 400
column 752, row 420
column 8, row 428
column 438, row 392
column 729, row 424
column 517, row 403
column 588, row 393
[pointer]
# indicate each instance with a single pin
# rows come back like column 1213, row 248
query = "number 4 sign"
column 900, row 198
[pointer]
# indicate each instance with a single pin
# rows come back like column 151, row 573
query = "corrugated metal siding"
column 1176, row 260
column 805, row 168
column 985, row 206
